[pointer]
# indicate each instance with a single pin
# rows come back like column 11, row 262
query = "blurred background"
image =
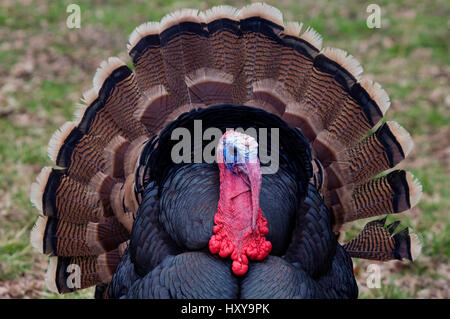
column 45, row 66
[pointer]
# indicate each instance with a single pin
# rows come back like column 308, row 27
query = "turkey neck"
column 239, row 198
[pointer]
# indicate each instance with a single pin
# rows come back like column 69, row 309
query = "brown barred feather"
column 81, row 148
column 209, row 86
column 121, row 104
column 380, row 151
column 323, row 97
column 63, row 272
column 378, row 242
column 297, row 116
column 153, row 111
column 68, row 200
column 131, row 158
column 183, row 51
column 172, row 52
column 392, row 193
column 60, row 238
column 295, row 71
column 349, row 125
column 82, row 155
column 270, row 92
column 123, row 215
column 226, row 47
column 115, row 153
column 103, row 184
column 262, row 54
column 148, row 63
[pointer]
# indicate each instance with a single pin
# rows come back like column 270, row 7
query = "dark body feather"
column 176, row 218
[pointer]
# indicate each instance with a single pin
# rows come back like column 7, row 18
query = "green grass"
column 409, row 56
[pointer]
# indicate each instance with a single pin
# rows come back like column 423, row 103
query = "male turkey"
column 120, row 211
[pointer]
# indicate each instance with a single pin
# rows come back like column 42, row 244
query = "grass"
column 45, row 66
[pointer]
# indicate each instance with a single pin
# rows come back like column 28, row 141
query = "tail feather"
column 226, row 45
column 261, row 26
column 380, row 151
column 118, row 196
column 190, row 27
column 115, row 153
column 181, row 34
column 103, row 185
column 333, row 73
column 80, row 154
column 93, row 151
column 38, row 188
column 131, row 158
column 218, row 13
column 58, row 195
column 117, row 89
column 209, row 86
column 245, row 46
column 325, row 89
column 345, row 61
column 292, row 28
column 59, row 238
column 154, row 111
column 378, row 241
column 206, row 87
column 117, row 200
column 112, row 102
column 313, row 38
column 68, row 274
column 395, row 192
column 376, row 93
column 357, row 116
column 263, row 11
column 270, row 92
column 144, row 48
column 296, row 64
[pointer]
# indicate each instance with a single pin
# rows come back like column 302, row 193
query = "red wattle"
column 253, row 245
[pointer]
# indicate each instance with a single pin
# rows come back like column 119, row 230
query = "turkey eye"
column 232, row 149
column 235, row 154
column 230, row 154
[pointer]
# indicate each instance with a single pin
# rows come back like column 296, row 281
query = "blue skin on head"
column 231, row 155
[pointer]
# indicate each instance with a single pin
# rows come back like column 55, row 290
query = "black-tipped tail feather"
column 381, row 241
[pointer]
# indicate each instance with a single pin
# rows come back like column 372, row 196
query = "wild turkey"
column 139, row 224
